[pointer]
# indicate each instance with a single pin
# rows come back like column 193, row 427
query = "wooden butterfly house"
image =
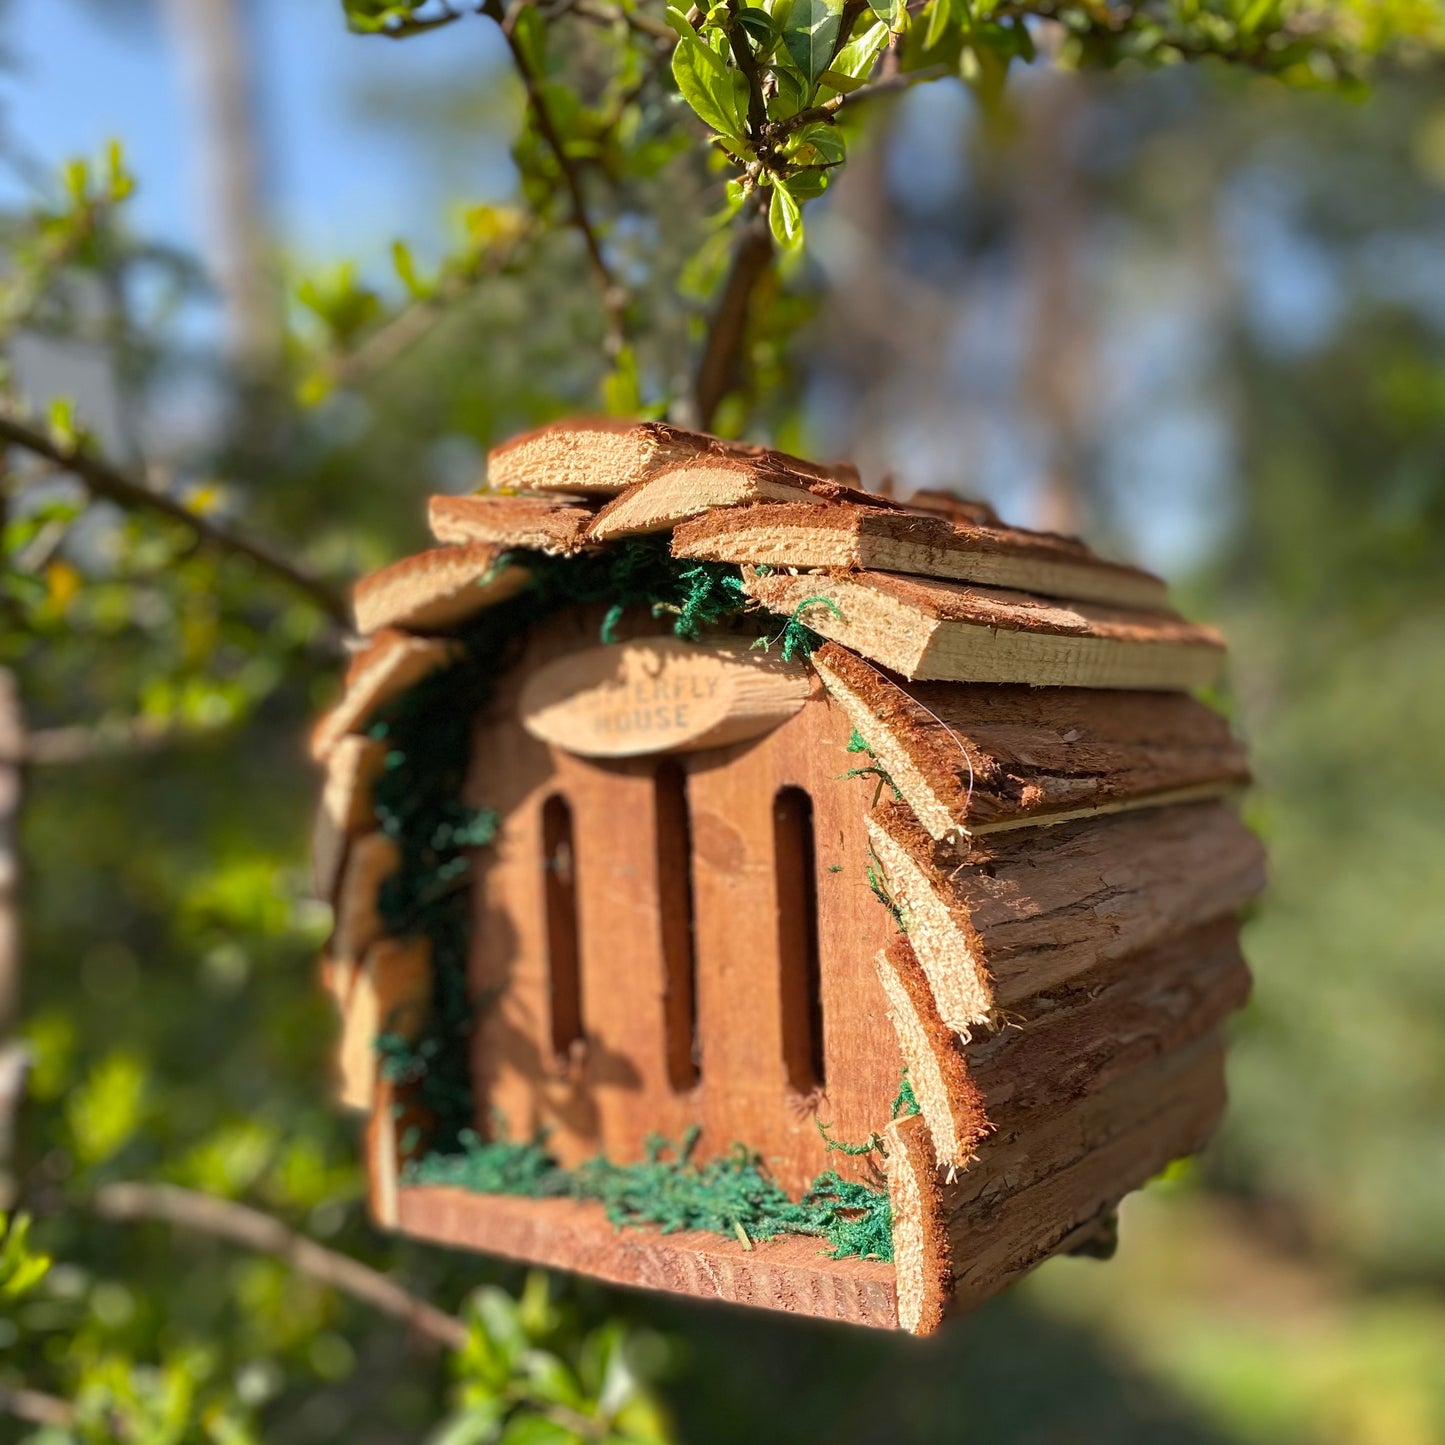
column 754, row 887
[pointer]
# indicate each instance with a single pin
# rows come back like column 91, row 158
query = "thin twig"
column 37, row 1408
column 414, row 322
column 240, row 1224
column 102, row 479
column 614, row 296
column 885, row 85
column 727, row 327
column 84, row 743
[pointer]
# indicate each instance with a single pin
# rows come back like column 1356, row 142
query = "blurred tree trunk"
column 212, row 39
column 1052, row 209
column 14, row 1059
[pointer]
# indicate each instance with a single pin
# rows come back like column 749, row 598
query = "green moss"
column 669, row 1191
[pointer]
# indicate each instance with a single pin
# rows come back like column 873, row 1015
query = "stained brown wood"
column 974, row 758
column 436, row 591
column 660, row 695
column 1018, row 911
column 842, row 535
column 617, row 1087
column 539, row 524
column 792, row 1273
column 950, row 632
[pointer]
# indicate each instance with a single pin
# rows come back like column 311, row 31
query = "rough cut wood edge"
column 392, row 664
column 684, row 489
column 370, row 861
column 949, row 632
column 953, row 507
column 951, row 1105
column 921, row 1262
column 940, row 935
column 436, row 591
column 602, row 456
column 845, row 536
column 352, row 766
column 791, row 1273
column 1031, row 908
column 538, row 524
column 1033, row 1194
column 972, row 759
column 389, row 993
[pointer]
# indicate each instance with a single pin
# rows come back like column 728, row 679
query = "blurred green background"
column 1195, row 315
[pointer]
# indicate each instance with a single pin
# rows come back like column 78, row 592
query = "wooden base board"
column 791, row 1273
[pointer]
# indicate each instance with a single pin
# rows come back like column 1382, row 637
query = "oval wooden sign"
column 660, row 695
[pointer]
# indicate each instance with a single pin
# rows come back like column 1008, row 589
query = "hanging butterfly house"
column 752, row 887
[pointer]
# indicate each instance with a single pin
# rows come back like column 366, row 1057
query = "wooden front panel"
column 615, row 1087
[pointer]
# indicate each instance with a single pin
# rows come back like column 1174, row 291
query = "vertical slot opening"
column 675, row 908
column 794, row 858
column 559, row 864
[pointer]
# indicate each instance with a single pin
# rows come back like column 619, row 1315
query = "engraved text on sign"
column 660, row 695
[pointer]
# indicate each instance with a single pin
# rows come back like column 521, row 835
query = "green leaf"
column 856, row 59
column 710, row 87
column 785, row 216
column 817, row 145
column 402, row 259
column 791, row 96
column 679, row 22
column 530, row 33
column 939, row 13
column 621, row 391
column 809, row 35
column 760, row 27
column 893, row 13
column 538, row 1430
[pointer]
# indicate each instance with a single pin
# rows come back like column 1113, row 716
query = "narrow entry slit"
column 675, row 909
column 559, row 863
column 800, row 982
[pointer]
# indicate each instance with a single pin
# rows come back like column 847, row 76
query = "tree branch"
column 37, row 1408
column 101, row 479
column 614, row 295
column 728, row 325
column 240, row 1224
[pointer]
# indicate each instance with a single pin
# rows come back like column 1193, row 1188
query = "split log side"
column 792, row 1273
column 1030, row 1194
column 1034, row 907
column 949, row 632
column 976, row 758
column 391, row 993
column 371, row 860
column 437, row 590
column 922, row 1272
column 1078, row 1037
column 395, row 1131
column 852, row 537
column 951, row 1104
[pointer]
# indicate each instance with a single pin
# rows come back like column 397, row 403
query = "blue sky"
column 83, row 71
